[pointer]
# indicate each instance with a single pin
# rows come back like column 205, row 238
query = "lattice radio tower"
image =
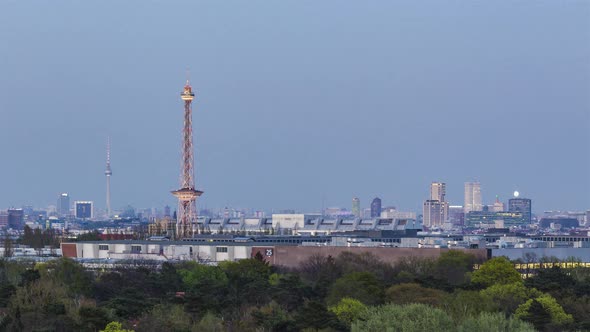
column 186, row 218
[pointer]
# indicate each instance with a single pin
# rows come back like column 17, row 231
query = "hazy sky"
column 298, row 102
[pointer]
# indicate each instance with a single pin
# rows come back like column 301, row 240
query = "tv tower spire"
column 108, row 172
column 187, row 195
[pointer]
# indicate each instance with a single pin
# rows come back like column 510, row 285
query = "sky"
column 300, row 104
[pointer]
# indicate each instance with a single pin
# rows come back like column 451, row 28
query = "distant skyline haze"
column 299, row 104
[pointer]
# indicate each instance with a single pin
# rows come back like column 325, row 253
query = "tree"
column 272, row 317
column 315, row 315
column 248, row 281
column 115, row 327
column 165, row 317
column 494, row 322
column 507, row 297
column 93, row 318
column 462, row 304
column 452, row 266
column 362, row 286
column 348, row 310
column 497, row 270
column 551, row 280
column 537, row 310
column 407, row 318
column 209, row 323
column 8, row 247
column 413, row 293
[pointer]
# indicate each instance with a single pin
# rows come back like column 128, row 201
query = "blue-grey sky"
column 298, row 102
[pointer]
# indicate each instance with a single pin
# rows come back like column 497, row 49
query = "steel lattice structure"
column 186, row 217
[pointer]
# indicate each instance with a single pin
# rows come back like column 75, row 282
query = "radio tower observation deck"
column 186, row 219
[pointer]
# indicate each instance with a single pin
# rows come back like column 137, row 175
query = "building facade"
column 473, row 200
column 63, row 205
column 521, row 205
column 356, row 207
column 84, row 209
column 376, row 207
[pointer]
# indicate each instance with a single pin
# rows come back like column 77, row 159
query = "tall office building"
column 522, row 205
column 84, row 209
column 376, row 207
column 434, row 213
column 472, row 197
column 16, row 218
column 438, row 191
column 63, row 205
column 436, row 209
column 356, row 207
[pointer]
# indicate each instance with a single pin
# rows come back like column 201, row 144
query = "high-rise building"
column 521, row 205
column 63, row 205
column 356, row 207
column 166, row 211
column 16, row 218
column 434, row 213
column 472, row 197
column 376, row 207
column 84, row 209
column 438, row 191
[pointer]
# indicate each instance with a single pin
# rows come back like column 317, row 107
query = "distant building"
column 356, row 207
column 521, row 205
column 480, row 218
column 63, row 205
column 376, row 207
column 166, row 211
column 438, row 191
column 559, row 222
column 84, row 209
column 434, row 213
column 472, row 197
column 497, row 207
column 456, row 215
column 3, row 219
column 16, row 218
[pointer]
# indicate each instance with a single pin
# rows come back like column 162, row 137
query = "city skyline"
column 282, row 127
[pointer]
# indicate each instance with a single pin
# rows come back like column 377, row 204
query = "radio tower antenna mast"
column 186, row 218
column 108, row 172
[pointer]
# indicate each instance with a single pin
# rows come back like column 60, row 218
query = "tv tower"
column 108, row 174
column 186, row 217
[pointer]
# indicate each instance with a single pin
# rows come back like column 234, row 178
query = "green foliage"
column 38, row 239
column 362, row 286
column 248, row 281
column 461, row 304
column 70, row 273
column 413, row 293
column 348, row 310
column 43, row 304
column 90, row 236
column 289, row 291
column 537, row 310
column 407, row 318
column 209, row 323
column 494, row 322
column 507, row 297
column 93, row 318
column 272, row 317
column 115, row 327
column 315, row 315
column 164, row 317
column 551, row 280
column 453, row 266
column 497, row 270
